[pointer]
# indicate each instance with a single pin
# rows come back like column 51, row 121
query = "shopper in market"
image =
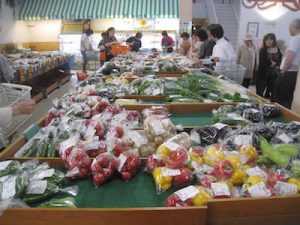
column 85, row 47
column 6, row 71
column 184, row 44
column 196, row 45
column 7, row 114
column 223, row 51
column 102, row 48
column 246, row 56
column 167, row 43
column 110, row 40
column 268, row 67
column 135, row 42
column 289, row 68
column 207, row 46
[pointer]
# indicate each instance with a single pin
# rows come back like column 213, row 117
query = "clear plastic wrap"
column 103, row 168
column 9, row 167
column 253, row 115
column 165, row 178
column 38, row 190
column 12, row 186
column 129, row 163
column 67, row 202
column 189, row 196
column 155, row 110
column 79, row 164
column 158, row 129
column 208, row 135
column 270, row 110
column 283, row 137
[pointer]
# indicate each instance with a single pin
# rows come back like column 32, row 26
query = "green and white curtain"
column 92, row 9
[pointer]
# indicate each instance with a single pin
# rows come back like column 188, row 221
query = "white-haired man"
column 289, row 67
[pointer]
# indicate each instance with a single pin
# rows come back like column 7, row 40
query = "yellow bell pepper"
column 213, row 155
column 163, row 183
column 201, row 198
column 249, row 153
column 163, row 152
column 234, row 160
column 196, row 158
column 296, row 182
column 238, row 176
column 252, row 180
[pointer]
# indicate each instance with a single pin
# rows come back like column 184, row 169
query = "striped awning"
column 92, row 9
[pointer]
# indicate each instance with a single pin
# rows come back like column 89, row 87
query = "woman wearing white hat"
column 246, row 56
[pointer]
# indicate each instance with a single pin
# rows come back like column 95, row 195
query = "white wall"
column 199, row 10
column 37, row 31
column 7, row 23
column 268, row 21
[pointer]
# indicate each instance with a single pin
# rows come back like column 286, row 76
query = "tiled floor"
column 44, row 105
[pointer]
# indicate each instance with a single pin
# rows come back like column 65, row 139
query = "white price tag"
column 243, row 140
column 220, row 189
column 213, row 95
column 297, row 122
column 90, row 131
column 187, row 193
column 171, row 145
column 9, row 188
column 37, row 187
column 285, row 138
column 2, row 179
column 207, row 101
column 156, row 92
column 122, row 159
column 43, row 174
column 157, row 127
column 219, row 126
column 259, row 190
column 244, row 96
column 137, row 138
column 4, row 165
column 166, row 172
column 256, row 171
column 285, row 189
column 148, row 91
column 68, row 143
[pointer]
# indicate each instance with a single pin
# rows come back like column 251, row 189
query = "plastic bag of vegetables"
column 165, row 178
column 129, row 163
column 9, row 167
column 50, row 174
column 208, row 135
column 103, row 167
column 282, row 137
column 79, row 164
column 155, row 110
column 270, row 110
column 38, row 190
column 189, row 196
column 253, row 115
column 158, row 129
column 67, row 202
column 12, row 186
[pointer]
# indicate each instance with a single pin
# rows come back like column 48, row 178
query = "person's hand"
column 215, row 59
column 25, row 107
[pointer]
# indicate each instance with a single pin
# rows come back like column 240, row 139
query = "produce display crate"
column 259, row 211
column 170, row 73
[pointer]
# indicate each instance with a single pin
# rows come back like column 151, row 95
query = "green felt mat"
column 153, row 102
column 192, row 119
column 139, row 192
column 205, row 118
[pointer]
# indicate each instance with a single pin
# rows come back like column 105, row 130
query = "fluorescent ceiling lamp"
column 273, row 13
